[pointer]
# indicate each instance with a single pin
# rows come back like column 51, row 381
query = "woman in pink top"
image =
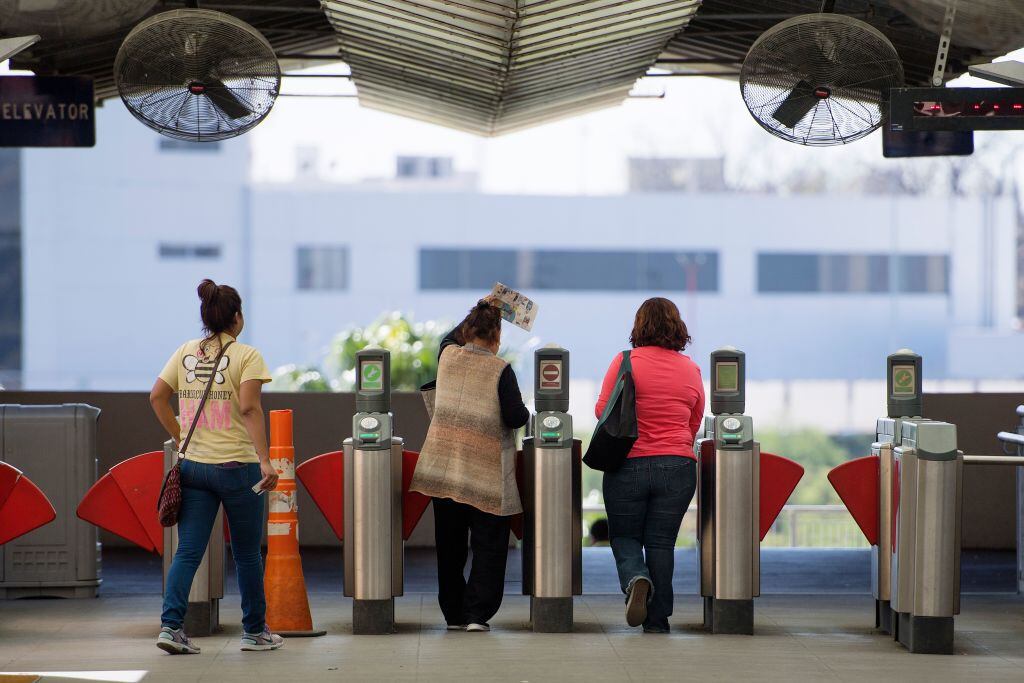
column 646, row 498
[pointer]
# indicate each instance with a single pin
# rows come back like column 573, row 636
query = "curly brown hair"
column 483, row 322
column 658, row 323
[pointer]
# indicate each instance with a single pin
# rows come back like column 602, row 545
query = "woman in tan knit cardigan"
column 467, row 465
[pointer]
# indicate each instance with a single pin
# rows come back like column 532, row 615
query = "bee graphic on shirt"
column 203, row 369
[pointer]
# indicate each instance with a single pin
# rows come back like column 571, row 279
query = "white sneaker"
column 253, row 642
column 456, row 627
column 478, row 627
column 176, row 642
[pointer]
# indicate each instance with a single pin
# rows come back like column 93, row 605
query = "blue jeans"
column 645, row 500
column 203, row 489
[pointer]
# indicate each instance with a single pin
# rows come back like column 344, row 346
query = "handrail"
column 1011, row 460
column 1011, row 438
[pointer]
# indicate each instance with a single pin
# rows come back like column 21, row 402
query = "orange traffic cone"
column 283, row 582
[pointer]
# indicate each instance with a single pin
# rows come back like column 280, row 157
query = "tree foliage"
column 413, row 348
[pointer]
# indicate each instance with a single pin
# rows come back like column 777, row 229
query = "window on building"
column 322, row 268
column 851, row 273
column 174, row 145
column 178, row 250
column 10, row 269
column 569, row 270
column 423, row 167
column 923, row 274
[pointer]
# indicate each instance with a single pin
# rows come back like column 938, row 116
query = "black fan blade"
column 225, row 100
column 800, row 101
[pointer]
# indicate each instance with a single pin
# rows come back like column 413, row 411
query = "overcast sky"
column 698, row 117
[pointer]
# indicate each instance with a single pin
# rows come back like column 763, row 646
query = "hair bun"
column 207, row 290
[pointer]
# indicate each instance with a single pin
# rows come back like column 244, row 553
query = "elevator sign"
column 551, row 375
column 47, row 111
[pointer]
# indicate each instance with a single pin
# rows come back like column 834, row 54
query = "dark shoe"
column 656, row 629
column 636, row 601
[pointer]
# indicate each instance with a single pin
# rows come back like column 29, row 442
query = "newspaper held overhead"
column 515, row 307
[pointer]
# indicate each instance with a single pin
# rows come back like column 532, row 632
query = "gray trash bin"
column 55, row 446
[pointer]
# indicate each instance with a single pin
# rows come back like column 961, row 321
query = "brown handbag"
column 169, row 504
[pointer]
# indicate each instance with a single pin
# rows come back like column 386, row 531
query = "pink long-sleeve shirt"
column 669, row 400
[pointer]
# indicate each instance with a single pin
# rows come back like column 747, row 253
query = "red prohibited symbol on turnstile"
column 551, row 375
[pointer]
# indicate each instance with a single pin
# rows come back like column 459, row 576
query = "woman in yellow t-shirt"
column 227, row 461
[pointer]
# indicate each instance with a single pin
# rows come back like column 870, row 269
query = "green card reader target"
column 903, row 384
column 371, row 425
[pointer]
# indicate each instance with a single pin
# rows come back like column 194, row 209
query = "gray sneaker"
column 176, row 642
column 261, row 641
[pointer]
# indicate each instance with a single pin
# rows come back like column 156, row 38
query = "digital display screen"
column 964, row 109
column 727, row 377
column 904, row 380
column 956, row 109
column 371, row 375
column 551, row 375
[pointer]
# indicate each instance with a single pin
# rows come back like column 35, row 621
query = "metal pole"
column 1011, row 460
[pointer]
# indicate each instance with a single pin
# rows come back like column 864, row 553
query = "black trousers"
column 457, row 528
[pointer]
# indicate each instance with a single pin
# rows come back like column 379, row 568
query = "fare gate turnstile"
column 907, row 499
column 373, row 548
column 728, row 489
column 904, row 403
column 202, row 617
column 552, row 499
column 927, row 484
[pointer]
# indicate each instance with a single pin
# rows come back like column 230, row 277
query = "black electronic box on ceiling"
column 956, row 109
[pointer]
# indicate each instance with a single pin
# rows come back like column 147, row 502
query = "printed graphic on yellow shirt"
column 220, row 434
column 202, row 369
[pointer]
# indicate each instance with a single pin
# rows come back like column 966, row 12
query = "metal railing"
column 798, row 526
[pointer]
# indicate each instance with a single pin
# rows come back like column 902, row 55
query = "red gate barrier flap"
column 324, row 479
column 517, row 521
column 779, row 476
column 856, row 482
column 124, row 501
column 23, row 507
column 414, row 503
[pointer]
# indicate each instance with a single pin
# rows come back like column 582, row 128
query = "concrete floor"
column 805, row 638
column 813, row 623
column 783, row 570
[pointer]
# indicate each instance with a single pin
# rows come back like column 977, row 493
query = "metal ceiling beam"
column 489, row 66
column 12, row 46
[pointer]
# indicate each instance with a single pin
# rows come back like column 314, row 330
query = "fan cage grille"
column 851, row 63
column 163, row 60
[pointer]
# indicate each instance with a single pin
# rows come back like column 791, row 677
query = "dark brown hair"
column 219, row 305
column 658, row 323
column 483, row 322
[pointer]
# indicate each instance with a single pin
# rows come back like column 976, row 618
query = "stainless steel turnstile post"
column 202, row 617
column 728, row 489
column 927, row 502
column 373, row 549
column 552, row 503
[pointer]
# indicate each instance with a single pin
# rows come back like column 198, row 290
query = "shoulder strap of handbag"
column 626, row 365
column 202, row 402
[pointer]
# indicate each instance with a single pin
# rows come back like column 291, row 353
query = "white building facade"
column 115, row 240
